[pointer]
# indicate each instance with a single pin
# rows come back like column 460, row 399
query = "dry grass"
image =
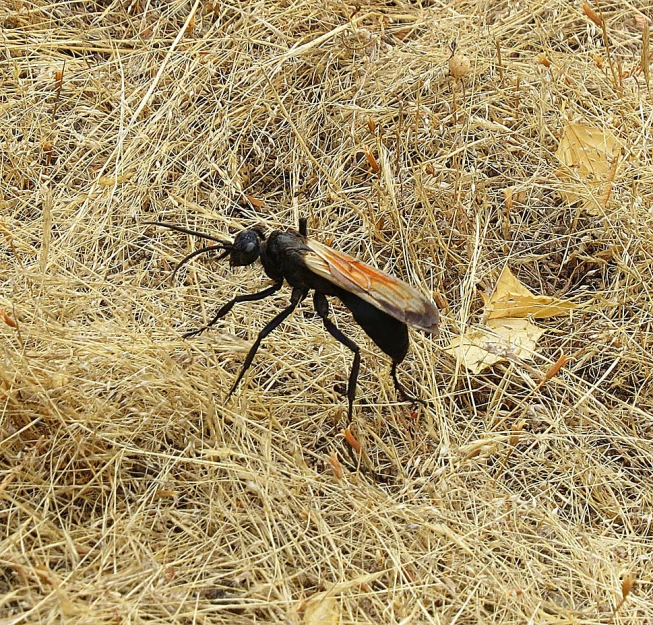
column 130, row 492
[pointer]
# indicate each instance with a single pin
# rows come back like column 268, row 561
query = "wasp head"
column 246, row 247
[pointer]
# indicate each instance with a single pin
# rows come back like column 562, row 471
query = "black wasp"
column 381, row 304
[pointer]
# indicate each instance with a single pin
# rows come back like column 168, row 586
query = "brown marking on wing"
column 376, row 287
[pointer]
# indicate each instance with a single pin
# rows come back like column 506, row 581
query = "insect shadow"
column 381, row 304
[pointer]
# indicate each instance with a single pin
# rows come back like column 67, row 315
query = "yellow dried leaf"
column 512, row 299
column 322, row 609
column 587, row 150
column 501, row 339
column 593, row 154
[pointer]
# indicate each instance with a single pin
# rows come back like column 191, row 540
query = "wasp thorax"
column 246, row 248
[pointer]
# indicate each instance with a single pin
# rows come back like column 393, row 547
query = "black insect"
column 381, row 304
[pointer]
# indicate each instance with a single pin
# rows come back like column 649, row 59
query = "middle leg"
column 296, row 297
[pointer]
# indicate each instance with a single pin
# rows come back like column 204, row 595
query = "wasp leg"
column 250, row 297
column 322, row 309
column 402, row 392
column 296, row 297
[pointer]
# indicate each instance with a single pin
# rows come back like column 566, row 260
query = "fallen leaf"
column 590, row 153
column 508, row 334
column 512, row 299
column 500, row 340
column 322, row 609
column 587, row 150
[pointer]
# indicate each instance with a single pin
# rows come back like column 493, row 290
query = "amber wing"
column 384, row 292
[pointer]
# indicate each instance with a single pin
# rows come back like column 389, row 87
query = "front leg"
column 249, row 297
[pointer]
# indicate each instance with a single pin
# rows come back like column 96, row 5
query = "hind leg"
column 322, row 309
column 401, row 391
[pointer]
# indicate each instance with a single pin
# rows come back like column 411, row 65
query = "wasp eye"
column 246, row 248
